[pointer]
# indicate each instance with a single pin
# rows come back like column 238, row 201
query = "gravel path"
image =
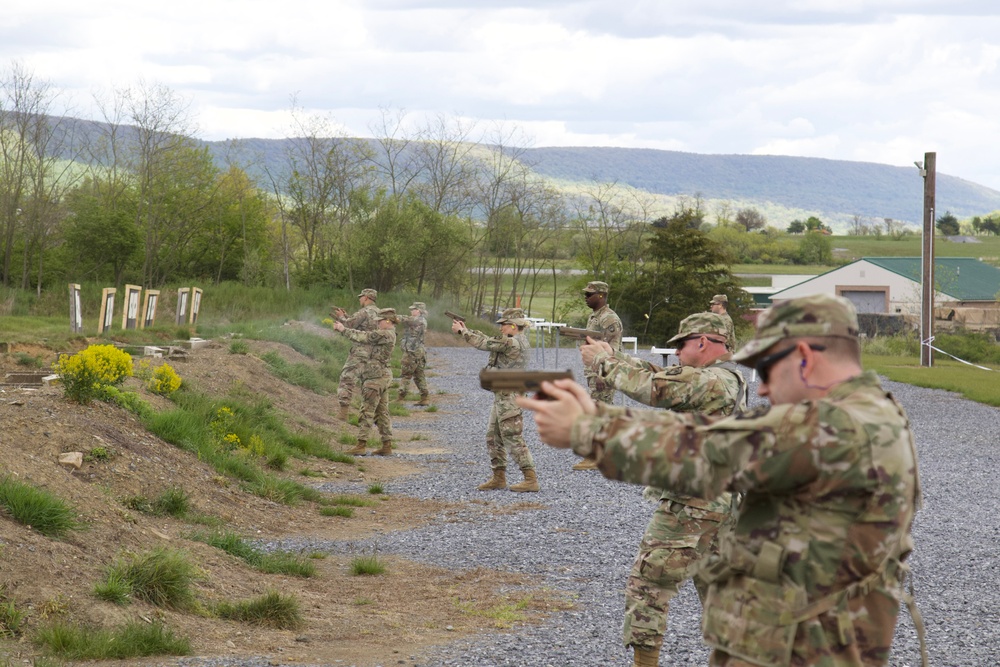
column 585, row 538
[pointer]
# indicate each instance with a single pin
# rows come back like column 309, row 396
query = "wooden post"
column 929, row 170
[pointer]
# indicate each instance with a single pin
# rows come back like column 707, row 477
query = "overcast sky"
column 870, row 80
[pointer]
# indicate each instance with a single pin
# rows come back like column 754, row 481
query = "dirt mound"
column 359, row 620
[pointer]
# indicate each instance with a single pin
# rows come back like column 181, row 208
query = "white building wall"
column 902, row 295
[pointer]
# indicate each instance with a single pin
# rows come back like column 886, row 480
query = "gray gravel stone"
column 584, row 539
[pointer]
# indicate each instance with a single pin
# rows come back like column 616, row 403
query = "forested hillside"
column 832, row 188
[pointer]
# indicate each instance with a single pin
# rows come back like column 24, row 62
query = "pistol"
column 454, row 316
column 580, row 334
column 520, row 381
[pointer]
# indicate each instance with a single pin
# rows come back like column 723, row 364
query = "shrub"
column 37, row 508
column 239, row 347
column 84, row 373
column 272, row 609
column 161, row 577
column 132, row 640
column 367, row 566
column 165, row 381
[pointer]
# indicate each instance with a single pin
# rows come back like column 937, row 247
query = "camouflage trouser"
column 600, row 390
column 677, row 537
column 504, row 433
column 349, row 377
column 413, row 367
column 375, row 408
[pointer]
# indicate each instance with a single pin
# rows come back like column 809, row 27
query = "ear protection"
column 803, row 363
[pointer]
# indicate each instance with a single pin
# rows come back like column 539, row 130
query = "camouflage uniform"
column 414, row 353
column 606, row 321
column 811, row 573
column 506, row 419
column 683, row 528
column 730, row 331
column 375, row 376
column 362, row 320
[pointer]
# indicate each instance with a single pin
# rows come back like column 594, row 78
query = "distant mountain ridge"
column 835, row 188
column 783, row 187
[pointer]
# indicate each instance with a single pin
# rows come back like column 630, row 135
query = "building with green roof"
column 892, row 284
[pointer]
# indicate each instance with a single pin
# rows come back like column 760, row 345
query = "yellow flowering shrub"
column 164, row 381
column 84, row 373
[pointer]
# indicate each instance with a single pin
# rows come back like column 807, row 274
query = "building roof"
column 964, row 278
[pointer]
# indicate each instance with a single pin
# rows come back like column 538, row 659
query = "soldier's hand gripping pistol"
column 519, row 381
column 580, row 334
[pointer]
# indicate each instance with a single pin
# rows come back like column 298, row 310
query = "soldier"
column 375, row 376
column 812, row 571
column 605, row 320
column 720, row 306
column 683, row 528
column 414, row 354
column 362, row 320
column 508, row 350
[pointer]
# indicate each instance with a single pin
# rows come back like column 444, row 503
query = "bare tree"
column 750, row 219
column 316, row 190
column 33, row 173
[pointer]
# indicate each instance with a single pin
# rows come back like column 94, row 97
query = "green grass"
column 367, row 566
column 341, row 511
column 351, row 501
column 11, row 618
column 134, row 639
column 162, row 577
column 376, row 488
column 276, row 562
column 239, row 346
column 271, row 610
column 503, row 615
column 398, row 410
column 37, row 508
column 972, row 383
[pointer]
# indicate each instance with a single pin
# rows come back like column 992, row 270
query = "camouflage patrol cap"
column 817, row 315
column 370, row 293
column 700, row 324
column 387, row 314
column 596, row 286
column 720, row 298
column 418, row 305
column 514, row 316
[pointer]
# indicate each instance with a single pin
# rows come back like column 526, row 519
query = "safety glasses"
column 763, row 365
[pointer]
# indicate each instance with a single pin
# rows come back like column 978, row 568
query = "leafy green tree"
column 684, row 267
column 101, row 242
column 815, row 248
column 796, row 227
column 948, row 225
column 814, row 224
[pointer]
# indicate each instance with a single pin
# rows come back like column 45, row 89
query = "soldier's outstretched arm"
column 554, row 417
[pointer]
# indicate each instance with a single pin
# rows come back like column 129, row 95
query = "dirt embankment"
column 358, row 620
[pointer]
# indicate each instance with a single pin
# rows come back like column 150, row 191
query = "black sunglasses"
column 763, row 365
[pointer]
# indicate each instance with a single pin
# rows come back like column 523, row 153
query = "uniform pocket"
column 753, row 620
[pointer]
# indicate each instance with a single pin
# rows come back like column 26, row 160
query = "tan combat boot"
column 344, row 412
column 424, row 400
column 530, row 482
column 358, row 449
column 646, row 657
column 401, row 396
column 586, row 464
column 386, row 449
column 498, row 481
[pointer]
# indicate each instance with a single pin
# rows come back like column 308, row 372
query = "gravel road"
column 584, row 539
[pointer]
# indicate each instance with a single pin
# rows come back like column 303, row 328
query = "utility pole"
column 928, row 169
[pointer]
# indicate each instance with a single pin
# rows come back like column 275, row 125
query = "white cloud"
column 874, row 80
